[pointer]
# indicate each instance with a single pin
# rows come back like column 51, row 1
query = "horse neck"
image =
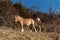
column 19, row 17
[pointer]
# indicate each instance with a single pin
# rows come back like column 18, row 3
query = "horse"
column 24, row 21
column 38, row 23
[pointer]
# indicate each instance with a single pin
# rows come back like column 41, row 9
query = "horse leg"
column 34, row 28
column 40, row 28
column 22, row 28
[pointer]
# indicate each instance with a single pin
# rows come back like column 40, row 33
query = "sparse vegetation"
column 13, row 34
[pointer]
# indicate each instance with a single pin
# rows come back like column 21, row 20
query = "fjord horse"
column 24, row 21
column 38, row 23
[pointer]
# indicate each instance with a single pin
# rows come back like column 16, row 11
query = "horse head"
column 16, row 18
column 38, row 19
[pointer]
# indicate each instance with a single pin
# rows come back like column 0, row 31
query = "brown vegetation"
column 7, row 12
column 13, row 34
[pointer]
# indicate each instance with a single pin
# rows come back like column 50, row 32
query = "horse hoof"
column 22, row 30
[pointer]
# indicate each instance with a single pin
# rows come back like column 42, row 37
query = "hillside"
column 13, row 34
column 9, row 30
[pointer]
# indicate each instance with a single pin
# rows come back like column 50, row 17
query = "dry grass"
column 13, row 34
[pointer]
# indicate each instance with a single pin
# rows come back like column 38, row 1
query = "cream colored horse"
column 24, row 21
column 38, row 23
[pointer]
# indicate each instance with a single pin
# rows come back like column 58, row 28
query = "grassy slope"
column 12, row 34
